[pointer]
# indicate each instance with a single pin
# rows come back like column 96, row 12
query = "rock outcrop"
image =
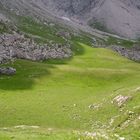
column 7, row 71
column 120, row 100
column 121, row 17
column 131, row 53
column 17, row 46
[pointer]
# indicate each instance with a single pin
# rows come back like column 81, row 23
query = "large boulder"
column 7, row 71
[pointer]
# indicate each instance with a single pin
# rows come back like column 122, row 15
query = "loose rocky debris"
column 26, row 127
column 17, row 46
column 75, row 116
column 94, row 106
column 131, row 53
column 130, row 117
column 7, row 71
column 95, row 135
column 100, row 134
column 120, row 100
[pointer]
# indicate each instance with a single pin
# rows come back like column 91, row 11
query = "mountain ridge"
column 114, row 16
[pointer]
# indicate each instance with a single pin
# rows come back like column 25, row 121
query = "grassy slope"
column 120, row 42
column 56, row 94
column 45, row 33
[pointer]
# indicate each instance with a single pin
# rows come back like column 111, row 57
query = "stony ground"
column 16, row 46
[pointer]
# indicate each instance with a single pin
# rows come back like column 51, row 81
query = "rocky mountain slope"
column 17, row 46
column 41, row 19
column 115, row 16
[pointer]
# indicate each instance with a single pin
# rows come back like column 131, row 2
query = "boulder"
column 7, row 71
column 120, row 100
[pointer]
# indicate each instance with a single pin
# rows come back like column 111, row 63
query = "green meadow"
column 55, row 96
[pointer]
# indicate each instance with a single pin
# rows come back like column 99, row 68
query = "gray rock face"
column 119, row 16
column 16, row 46
column 7, row 71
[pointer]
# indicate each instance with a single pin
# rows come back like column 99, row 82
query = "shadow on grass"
column 77, row 49
column 28, row 72
column 58, row 61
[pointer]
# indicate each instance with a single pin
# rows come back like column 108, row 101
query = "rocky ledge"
column 17, row 46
